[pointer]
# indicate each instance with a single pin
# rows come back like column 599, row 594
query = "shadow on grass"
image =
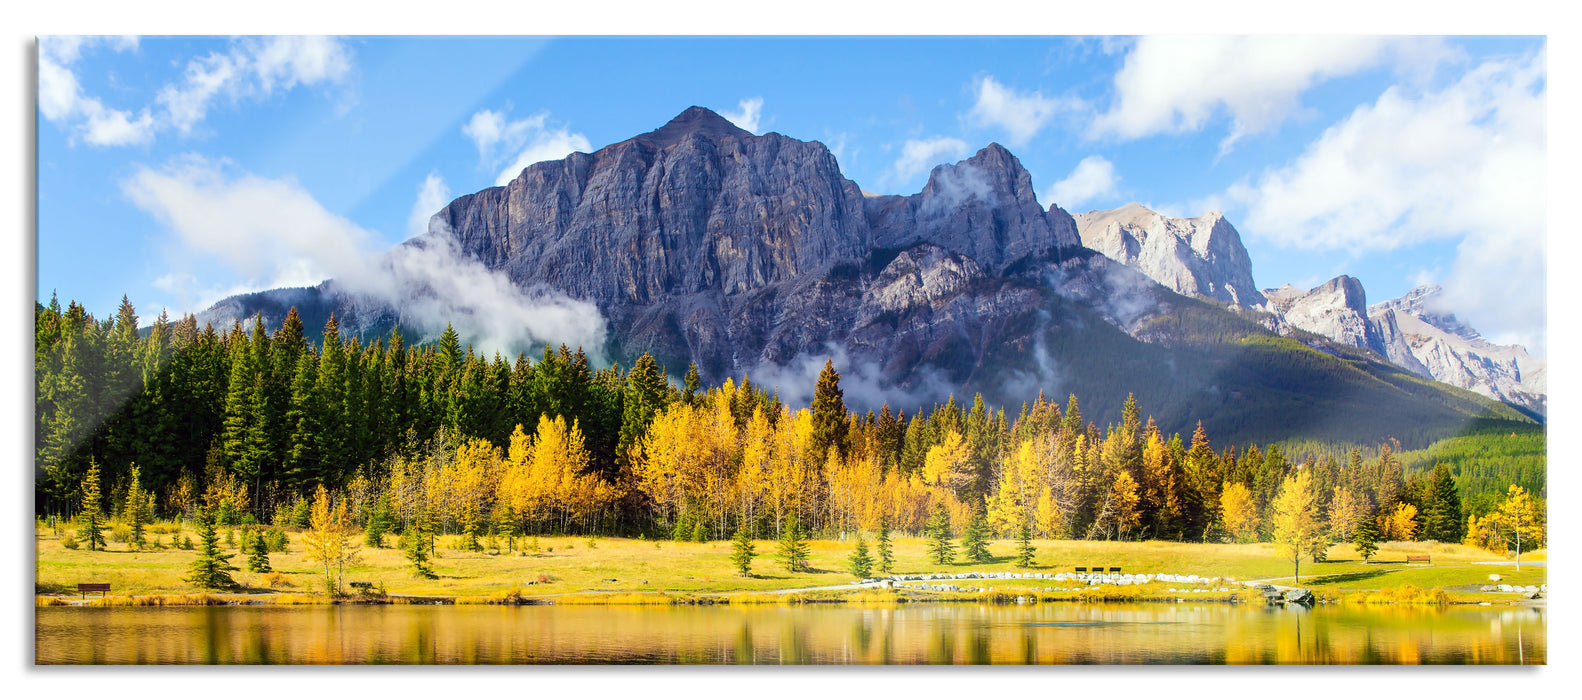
column 1353, row 577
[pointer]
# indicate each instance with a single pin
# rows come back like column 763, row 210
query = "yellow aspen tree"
column 758, row 447
column 1296, row 519
column 946, row 464
column 1521, row 518
column 328, row 539
column 1399, row 524
column 1345, row 511
column 1238, row 512
column 1124, row 500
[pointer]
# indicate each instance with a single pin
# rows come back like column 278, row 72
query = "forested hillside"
column 252, row 421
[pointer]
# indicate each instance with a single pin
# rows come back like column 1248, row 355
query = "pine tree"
column 258, row 561
column 974, row 541
column 689, row 391
column 417, row 552
column 379, row 522
column 1444, row 521
column 829, row 413
column 209, row 569
column 742, row 551
column 940, row 549
column 90, row 520
column 699, row 532
column 1366, row 538
column 885, row 549
column 136, row 509
column 1025, row 552
column 793, row 546
column 860, row 564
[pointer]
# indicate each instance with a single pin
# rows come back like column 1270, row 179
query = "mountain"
column 1453, row 352
column 1195, row 257
column 1337, row 309
column 701, row 242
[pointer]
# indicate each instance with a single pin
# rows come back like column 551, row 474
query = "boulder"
column 1534, row 595
column 1494, row 577
column 1299, row 595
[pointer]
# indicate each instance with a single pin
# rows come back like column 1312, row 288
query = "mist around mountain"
column 704, row 244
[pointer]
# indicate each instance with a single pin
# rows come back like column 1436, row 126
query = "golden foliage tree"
column 1238, row 512
column 1345, row 511
column 1296, row 523
column 328, row 539
column 1398, row 524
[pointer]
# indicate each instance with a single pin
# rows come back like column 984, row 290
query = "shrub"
column 68, row 542
column 121, row 533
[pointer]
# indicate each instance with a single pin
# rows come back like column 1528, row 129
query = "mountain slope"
column 1195, row 257
column 700, row 242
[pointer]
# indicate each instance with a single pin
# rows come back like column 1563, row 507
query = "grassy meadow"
column 622, row 570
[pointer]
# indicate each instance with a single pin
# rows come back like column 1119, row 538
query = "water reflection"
column 820, row 634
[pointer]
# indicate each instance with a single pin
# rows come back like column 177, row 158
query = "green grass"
column 644, row 571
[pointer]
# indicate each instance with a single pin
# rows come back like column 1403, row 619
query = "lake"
column 918, row 633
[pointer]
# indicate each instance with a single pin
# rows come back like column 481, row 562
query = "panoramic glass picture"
column 859, row 351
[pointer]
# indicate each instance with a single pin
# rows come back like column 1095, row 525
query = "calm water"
column 812, row 634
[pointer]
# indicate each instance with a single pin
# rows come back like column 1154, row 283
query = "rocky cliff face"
column 1452, row 352
column 1337, row 309
column 1194, row 257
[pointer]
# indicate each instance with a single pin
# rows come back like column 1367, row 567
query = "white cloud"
column 275, row 234
column 1094, row 178
column 251, row 68
column 61, row 99
column 747, row 113
column 531, row 139
column 432, row 196
column 1021, row 115
column 1465, row 163
column 1178, row 83
column 920, row 155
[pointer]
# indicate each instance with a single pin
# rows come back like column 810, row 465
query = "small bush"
column 69, row 542
column 121, row 534
column 275, row 579
column 186, row 542
column 44, row 601
column 275, row 539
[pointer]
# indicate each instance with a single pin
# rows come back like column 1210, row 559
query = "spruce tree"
column 1366, row 537
column 940, row 549
column 793, row 546
column 379, row 522
column 209, row 569
column 258, row 550
column 413, row 541
column 860, row 564
column 90, row 520
column 1443, row 522
column 699, row 532
column 136, row 509
column 974, row 541
column 829, row 413
column 742, row 551
column 885, row 550
column 689, row 391
column 1025, row 552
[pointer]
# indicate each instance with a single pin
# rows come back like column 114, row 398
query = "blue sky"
column 179, row 170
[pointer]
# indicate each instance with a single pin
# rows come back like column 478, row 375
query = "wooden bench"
column 103, row 589
column 1082, row 569
column 1115, row 569
column 1414, row 558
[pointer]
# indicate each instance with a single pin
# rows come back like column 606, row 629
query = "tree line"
column 440, row 439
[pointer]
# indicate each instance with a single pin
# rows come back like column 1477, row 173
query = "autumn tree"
column 90, row 520
column 1345, row 511
column 328, row 539
column 1399, row 524
column 1296, row 524
column 136, row 509
column 1238, row 512
column 1520, row 518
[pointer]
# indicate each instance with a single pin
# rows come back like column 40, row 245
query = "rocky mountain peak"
column 694, row 120
column 1201, row 256
column 1424, row 302
column 1337, row 309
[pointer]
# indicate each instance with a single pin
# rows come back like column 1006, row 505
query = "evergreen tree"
column 209, row 569
column 974, row 541
column 136, row 510
column 90, row 519
column 1443, row 522
column 860, row 564
column 379, row 523
column 829, row 413
column 699, row 532
column 258, row 549
column 1366, row 538
column 742, row 551
column 793, row 546
column 689, row 391
column 413, row 541
column 885, row 550
column 1025, row 552
column 940, row 549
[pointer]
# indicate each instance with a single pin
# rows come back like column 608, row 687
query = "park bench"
column 103, row 589
column 1097, row 569
column 361, row 586
column 1115, row 569
column 1082, row 569
column 1413, row 558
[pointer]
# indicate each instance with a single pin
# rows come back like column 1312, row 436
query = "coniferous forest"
column 248, row 423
